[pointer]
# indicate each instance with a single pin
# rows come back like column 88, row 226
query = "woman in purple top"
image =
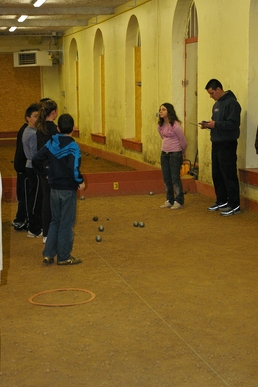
column 172, row 152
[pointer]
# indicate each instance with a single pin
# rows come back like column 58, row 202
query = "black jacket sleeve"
column 38, row 161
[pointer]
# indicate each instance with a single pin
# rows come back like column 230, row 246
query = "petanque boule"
column 151, row 193
column 95, row 218
column 141, row 224
column 82, row 197
column 101, row 228
column 96, row 157
column 98, row 238
column 136, row 224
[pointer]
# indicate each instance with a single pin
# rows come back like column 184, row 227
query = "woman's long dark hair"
column 172, row 116
column 46, row 108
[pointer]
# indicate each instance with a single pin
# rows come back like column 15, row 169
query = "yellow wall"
column 227, row 50
column 223, row 53
column 118, row 119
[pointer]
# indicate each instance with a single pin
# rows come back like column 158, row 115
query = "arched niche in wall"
column 72, row 96
column 251, row 120
column 98, row 133
column 133, row 86
column 184, row 71
column 179, row 33
column 190, row 85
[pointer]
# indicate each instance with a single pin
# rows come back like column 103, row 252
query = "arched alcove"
column 190, row 85
column 179, row 29
column 133, row 81
column 184, row 71
column 252, row 111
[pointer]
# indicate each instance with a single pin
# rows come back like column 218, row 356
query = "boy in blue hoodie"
column 64, row 159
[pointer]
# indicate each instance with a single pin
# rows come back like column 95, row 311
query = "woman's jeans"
column 60, row 234
column 46, row 211
column 171, row 165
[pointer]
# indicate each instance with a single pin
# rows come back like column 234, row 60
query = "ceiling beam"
column 45, row 23
column 31, row 11
column 33, row 33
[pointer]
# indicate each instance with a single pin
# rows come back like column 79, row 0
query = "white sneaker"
column 176, row 206
column 166, row 205
column 44, row 239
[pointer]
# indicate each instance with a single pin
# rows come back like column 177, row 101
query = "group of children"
column 47, row 161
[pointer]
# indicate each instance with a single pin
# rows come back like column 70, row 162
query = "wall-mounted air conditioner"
column 32, row 58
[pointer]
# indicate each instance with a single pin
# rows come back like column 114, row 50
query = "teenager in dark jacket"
column 21, row 219
column 64, row 159
column 225, row 131
column 29, row 141
column 46, row 128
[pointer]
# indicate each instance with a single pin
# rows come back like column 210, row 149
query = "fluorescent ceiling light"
column 39, row 3
column 12, row 29
column 22, row 18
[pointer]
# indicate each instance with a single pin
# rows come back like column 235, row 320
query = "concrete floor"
column 175, row 305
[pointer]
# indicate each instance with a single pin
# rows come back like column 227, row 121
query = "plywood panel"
column 19, row 87
column 138, row 94
column 103, row 115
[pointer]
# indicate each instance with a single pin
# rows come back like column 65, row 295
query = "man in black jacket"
column 21, row 219
column 224, row 133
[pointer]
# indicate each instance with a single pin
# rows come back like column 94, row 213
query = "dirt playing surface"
column 175, row 301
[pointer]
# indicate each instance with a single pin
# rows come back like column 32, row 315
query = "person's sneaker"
column 47, row 260
column 230, row 211
column 70, row 261
column 44, row 239
column 31, row 235
column 217, row 207
column 166, row 205
column 176, row 206
column 20, row 226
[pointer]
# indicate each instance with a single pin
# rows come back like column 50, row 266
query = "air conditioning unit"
column 32, row 58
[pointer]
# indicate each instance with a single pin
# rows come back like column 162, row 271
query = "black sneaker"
column 48, row 261
column 70, row 261
column 20, row 225
column 230, row 211
column 217, row 207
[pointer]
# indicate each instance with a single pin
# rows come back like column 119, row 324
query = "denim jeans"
column 224, row 172
column 46, row 210
column 60, row 234
column 171, row 164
